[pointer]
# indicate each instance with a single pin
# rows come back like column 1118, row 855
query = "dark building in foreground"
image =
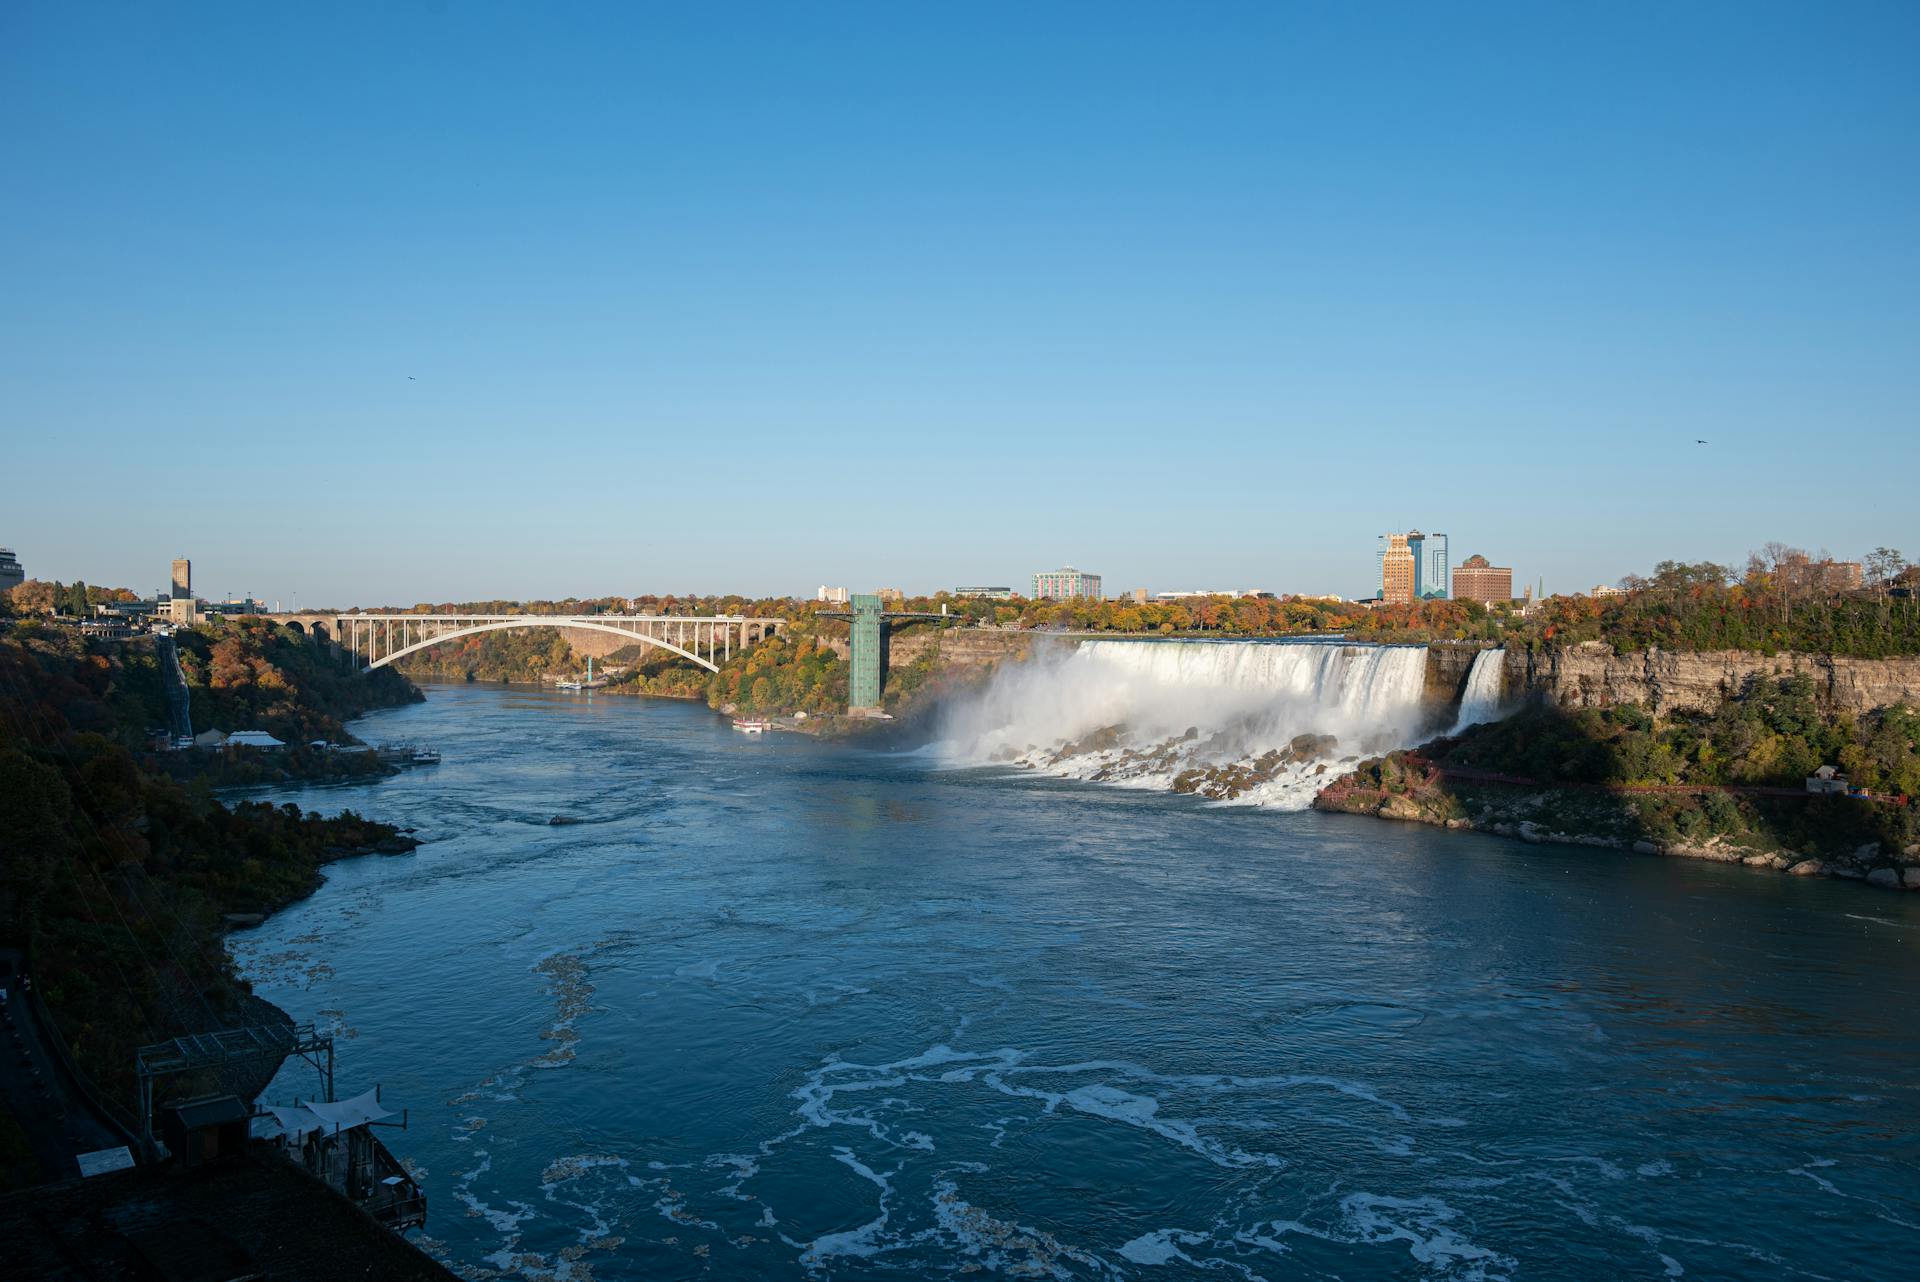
column 247, row 1215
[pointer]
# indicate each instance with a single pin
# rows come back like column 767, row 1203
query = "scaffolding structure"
column 203, row 1052
column 867, row 666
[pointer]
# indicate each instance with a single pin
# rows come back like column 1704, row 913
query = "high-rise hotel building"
column 1475, row 580
column 1413, row 567
column 1396, row 569
column 1064, row 584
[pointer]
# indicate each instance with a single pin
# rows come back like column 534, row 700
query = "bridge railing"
column 376, row 640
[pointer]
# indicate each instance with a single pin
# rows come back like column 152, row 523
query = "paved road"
column 59, row 1122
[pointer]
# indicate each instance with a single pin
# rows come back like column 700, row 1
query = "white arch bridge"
column 376, row 640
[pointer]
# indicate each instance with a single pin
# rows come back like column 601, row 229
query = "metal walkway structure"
column 376, row 640
column 867, row 669
column 211, row 1052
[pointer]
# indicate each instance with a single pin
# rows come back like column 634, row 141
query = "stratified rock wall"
column 1591, row 675
column 1448, row 665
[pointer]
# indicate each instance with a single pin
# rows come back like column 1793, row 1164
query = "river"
column 779, row 1008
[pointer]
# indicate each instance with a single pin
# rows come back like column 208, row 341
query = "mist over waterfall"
column 1267, row 723
column 1486, row 688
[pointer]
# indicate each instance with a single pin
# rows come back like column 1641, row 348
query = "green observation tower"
column 867, row 668
column 863, row 678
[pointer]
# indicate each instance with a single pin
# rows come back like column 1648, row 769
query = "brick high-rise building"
column 1397, row 569
column 183, row 578
column 1475, row 580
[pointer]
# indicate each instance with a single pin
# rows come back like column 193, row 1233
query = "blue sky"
column 394, row 302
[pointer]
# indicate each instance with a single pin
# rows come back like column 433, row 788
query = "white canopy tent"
column 330, row 1118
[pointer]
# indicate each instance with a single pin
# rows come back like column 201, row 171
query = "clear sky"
column 411, row 301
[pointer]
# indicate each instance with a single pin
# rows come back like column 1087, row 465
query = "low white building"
column 253, row 739
column 1827, row 779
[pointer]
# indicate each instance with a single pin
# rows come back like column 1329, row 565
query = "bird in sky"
column 411, row 379
column 1698, row 441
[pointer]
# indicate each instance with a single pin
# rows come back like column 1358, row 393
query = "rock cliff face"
column 1448, row 665
column 1591, row 675
column 957, row 647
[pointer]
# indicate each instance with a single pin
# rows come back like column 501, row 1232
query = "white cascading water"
column 1486, row 688
column 1265, row 723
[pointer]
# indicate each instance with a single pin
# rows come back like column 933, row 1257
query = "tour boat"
column 745, row 726
column 575, row 683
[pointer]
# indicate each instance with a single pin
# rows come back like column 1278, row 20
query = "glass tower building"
column 1432, row 572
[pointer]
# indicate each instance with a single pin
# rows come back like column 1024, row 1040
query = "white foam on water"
column 1157, row 1247
column 567, row 984
column 501, row 1221
column 997, row 1245
column 841, row 1093
column 1424, row 1224
column 1143, row 714
column 563, row 1170
column 863, row 1242
column 744, row 1168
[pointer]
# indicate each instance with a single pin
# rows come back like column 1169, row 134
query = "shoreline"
column 1865, row 865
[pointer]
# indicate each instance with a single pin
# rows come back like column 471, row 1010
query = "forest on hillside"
column 113, row 874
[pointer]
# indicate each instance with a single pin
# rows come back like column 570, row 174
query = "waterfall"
column 1486, row 687
column 1261, row 722
column 179, row 697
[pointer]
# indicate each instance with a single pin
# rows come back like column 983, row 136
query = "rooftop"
column 255, row 1214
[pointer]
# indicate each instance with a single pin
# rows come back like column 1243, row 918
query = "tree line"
column 114, row 875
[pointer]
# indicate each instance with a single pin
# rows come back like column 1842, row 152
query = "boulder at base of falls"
column 1312, row 747
column 1105, row 739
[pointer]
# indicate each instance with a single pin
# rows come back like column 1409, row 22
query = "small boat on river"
column 575, row 683
column 749, row 726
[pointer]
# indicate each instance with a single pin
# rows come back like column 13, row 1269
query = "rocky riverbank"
column 1411, row 788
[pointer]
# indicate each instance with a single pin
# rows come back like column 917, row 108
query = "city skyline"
column 1112, row 586
column 545, row 307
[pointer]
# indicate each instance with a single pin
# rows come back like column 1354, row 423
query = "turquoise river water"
column 778, row 1008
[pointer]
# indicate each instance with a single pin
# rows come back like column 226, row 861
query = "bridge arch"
column 294, row 625
column 536, row 621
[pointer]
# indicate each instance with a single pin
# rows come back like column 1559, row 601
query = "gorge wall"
column 1448, row 665
column 956, row 647
column 1590, row 674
